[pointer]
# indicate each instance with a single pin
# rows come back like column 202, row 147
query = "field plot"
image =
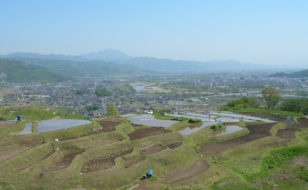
column 255, row 132
column 150, row 120
column 145, row 132
column 196, row 169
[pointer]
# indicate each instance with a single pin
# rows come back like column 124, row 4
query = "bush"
column 295, row 105
column 214, row 127
column 194, row 121
column 244, row 102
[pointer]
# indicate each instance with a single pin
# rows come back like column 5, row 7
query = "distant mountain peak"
column 110, row 55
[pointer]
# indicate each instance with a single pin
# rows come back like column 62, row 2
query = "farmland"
column 113, row 153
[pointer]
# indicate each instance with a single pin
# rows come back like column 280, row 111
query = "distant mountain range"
column 112, row 62
column 299, row 74
column 15, row 71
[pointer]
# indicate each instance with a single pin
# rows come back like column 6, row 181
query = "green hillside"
column 84, row 68
column 299, row 74
column 15, row 71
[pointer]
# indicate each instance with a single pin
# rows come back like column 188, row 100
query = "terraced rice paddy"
column 112, row 153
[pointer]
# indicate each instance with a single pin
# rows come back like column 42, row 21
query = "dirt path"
column 153, row 149
column 145, row 132
column 195, row 170
column 255, row 132
column 103, row 163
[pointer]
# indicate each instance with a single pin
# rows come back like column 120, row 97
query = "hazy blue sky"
column 259, row 31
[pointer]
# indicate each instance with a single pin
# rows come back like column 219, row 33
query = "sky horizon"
column 261, row 32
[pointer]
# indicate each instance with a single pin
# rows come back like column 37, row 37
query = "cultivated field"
column 112, row 153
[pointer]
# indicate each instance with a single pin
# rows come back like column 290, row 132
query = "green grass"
column 277, row 112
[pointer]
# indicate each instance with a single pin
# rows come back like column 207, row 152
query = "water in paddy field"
column 58, row 124
column 139, row 88
column 151, row 121
column 188, row 130
column 230, row 129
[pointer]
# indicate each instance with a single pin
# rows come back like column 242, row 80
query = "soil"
column 63, row 162
column 109, row 123
column 133, row 162
column 145, row 132
column 174, row 145
column 286, row 133
column 103, row 163
column 255, row 132
column 12, row 152
column 153, row 149
column 2, row 125
column 303, row 122
column 196, row 169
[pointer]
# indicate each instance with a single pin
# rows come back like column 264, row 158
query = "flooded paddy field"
column 151, row 121
column 230, row 129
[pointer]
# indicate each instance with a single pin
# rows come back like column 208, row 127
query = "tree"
column 271, row 97
column 101, row 92
column 112, row 110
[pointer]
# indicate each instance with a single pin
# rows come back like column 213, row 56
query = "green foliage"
column 82, row 91
column 124, row 89
column 194, row 121
column 83, row 68
column 279, row 157
column 295, row 105
column 15, row 71
column 161, row 114
column 244, row 102
column 277, row 112
column 101, row 92
column 303, row 173
column 91, row 108
column 271, row 97
column 112, row 110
